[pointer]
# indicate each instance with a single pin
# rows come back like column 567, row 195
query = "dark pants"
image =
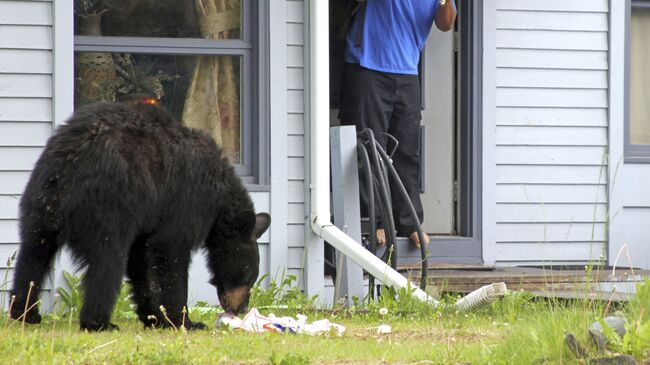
column 386, row 102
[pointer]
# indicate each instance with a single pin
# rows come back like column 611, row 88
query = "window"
column 637, row 146
column 197, row 59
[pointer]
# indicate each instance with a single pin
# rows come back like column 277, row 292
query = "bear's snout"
column 235, row 300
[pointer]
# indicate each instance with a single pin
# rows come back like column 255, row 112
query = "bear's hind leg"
column 145, row 288
column 35, row 256
column 102, row 282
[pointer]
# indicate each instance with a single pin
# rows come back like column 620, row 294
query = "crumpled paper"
column 255, row 322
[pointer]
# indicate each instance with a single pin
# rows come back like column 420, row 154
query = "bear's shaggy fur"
column 131, row 191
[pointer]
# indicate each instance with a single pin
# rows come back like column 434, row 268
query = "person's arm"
column 446, row 15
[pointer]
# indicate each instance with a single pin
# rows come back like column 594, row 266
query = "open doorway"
column 451, row 83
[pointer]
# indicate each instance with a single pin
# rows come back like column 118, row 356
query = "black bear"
column 131, row 191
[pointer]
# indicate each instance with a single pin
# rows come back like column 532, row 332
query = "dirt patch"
column 442, row 335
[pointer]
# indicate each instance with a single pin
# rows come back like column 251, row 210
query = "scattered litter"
column 384, row 329
column 255, row 322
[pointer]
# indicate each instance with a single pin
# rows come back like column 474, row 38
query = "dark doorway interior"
column 451, row 94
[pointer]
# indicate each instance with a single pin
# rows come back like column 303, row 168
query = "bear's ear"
column 262, row 223
column 245, row 222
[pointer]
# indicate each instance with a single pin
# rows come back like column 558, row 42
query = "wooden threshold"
column 560, row 283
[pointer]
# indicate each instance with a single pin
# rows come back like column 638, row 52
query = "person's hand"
column 446, row 15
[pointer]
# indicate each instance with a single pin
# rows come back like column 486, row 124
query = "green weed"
column 285, row 294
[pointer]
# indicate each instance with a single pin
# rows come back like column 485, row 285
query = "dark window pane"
column 215, row 19
column 203, row 91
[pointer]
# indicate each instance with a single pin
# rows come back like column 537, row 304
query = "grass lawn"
column 516, row 330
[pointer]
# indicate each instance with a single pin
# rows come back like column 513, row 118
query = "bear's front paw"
column 32, row 317
column 195, row 326
column 97, row 327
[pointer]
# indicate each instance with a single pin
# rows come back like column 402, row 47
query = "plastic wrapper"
column 255, row 322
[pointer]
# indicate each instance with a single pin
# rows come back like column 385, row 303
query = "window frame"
column 633, row 153
column 252, row 51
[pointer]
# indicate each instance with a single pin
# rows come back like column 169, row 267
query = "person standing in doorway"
column 381, row 88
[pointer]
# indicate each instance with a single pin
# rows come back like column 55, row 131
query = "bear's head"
column 239, row 260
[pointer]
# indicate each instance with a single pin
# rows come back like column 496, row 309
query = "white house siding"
column 25, row 110
column 551, row 130
column 296, row 167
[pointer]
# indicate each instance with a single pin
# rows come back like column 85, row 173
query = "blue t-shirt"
column 394, row 34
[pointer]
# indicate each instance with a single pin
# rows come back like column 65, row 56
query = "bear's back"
column 135, row 158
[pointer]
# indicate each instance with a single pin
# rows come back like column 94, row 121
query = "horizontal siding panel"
column 551, row 155
column 295, row 79
column 9, row 206
column 24, row 134
column 296, row 124
column 7, row 251
column 551, row 136
column 8, row 234
column 24, row 109
column 295, row 101
column 555, row 40
column 29, row 86
column 554, row 5
column 552, row 20
column 296, row 235
column 295, row 34
column 520, row 193
column 579, row 251
column 551, row 213
column 296, row 168
column 295, row 56
column 531, row 97
column 296, row 213
column 551, row 232
column 519, row 174
column 19, row 158
column 552, row 117
column 546, row 78
column 26, row 37
column 25, row 61
column 25, row 12
column 295, row 192
column 295, row 146
column 589, row 117
column 553, row 59
column 13, row 182
column 295, row 12
column 296, row 258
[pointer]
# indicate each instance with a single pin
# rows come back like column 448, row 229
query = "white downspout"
column 320, row 163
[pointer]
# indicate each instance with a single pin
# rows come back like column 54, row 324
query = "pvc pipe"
column 320, row 109
column 371, row 263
